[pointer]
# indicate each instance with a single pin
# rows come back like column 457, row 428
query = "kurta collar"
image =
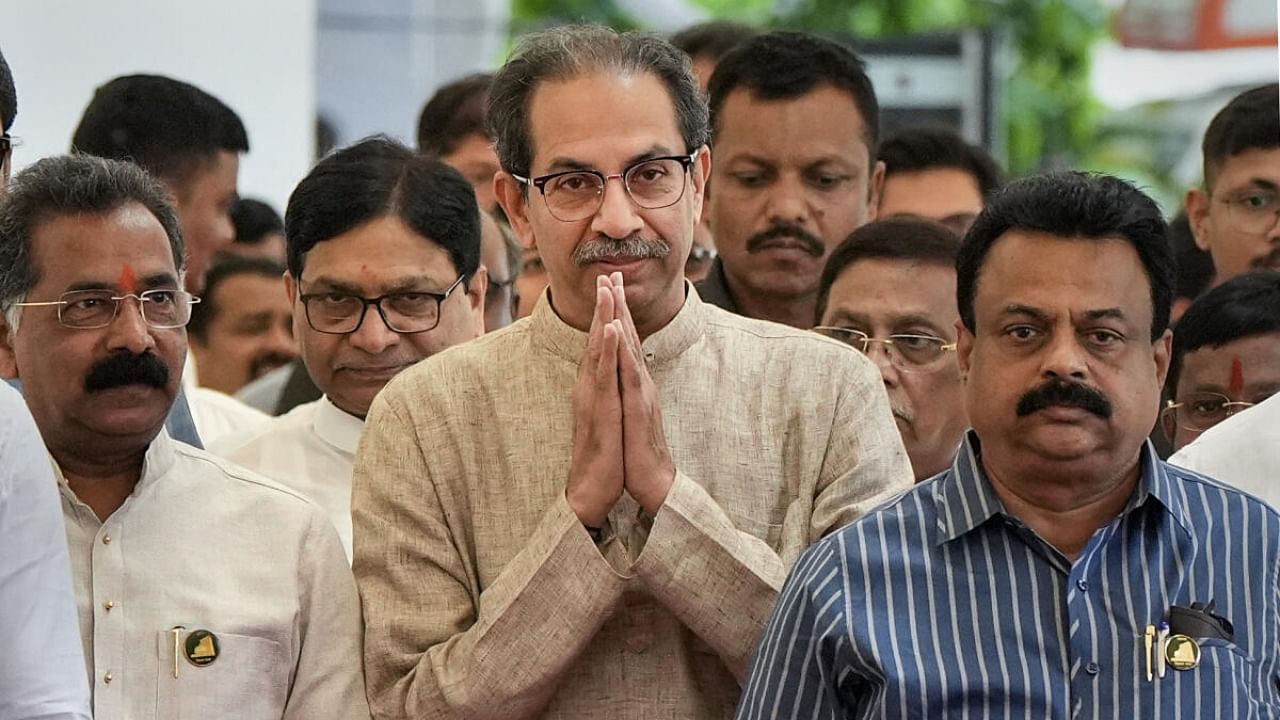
column 336, row 426
column 158, row 461
column 563, row 340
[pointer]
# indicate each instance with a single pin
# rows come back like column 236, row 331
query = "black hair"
column 1251, row 121
column 786, row 64
column 1242, row 307
column 1072, row 205
column 254, row 220
column 167, row 126
column 1195, row 266
column 712, row 40
column 453, row 113
column 909, row 239
column 225, row 268
column 8, row 95
column 68, row 185
column 379, row 177
column 572, row 51
column 916, row 149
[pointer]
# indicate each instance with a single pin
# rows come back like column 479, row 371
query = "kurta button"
column 1092, row 668
column 108, row 605
column 108, row 678
column 1083, row 585
column 106, row 539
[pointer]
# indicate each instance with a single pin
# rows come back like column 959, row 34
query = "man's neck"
column 101, row 483
column 1065, row 511
column 790, row 310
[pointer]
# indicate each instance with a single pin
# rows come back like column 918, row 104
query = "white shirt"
column 311, row 449
column 41, row 662
column 218, row 415
column 1242, row 451
column 203, row 545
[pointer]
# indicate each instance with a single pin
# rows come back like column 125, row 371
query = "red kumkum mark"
column 128, row 280
column 1237, row 378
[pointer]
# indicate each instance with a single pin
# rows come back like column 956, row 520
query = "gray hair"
column 572, row 51
column 67, row 185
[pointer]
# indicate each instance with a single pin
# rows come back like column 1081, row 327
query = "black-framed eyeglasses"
column 907, row 352
column 1253, row 212
column 651, row 184
column 1199, row 411
column 338, row 313
column 92, row 309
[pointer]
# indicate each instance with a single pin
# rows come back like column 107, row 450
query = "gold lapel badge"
column 1181, row 652
column 201, row 648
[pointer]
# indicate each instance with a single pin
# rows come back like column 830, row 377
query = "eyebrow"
column 1017, row 309
column 408, row 284
column 563, row 164
column 895, row 321
column 156, row 280
column 1105, row 314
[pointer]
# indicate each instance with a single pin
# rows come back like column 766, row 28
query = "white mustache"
column 633, row 247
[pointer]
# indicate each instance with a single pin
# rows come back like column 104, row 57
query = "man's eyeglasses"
column 907, row 352
column 1254, row 212
column 1200, row 411
column 6, row 146
column 577, row 194
column 336, row 313
column 91, row 309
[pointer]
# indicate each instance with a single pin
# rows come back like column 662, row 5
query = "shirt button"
column 108, row 678
column 1092, row 668
column 1083, row 585
column 106, row 539
column 108, row 605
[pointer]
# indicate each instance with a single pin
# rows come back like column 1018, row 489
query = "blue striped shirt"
column 941, row 603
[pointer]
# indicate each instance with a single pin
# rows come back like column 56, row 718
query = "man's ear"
column 512, row 196
column 701, row 173
column 874, row 187
column 1162, row 350
column 290, row 287
column 964, row 348
column 1198, row 204
column 476, row 289
column 8, row 357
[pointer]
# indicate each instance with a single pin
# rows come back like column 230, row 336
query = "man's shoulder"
column 902, row 524
column 224, row 483
column 783, row 343
column 1207, row 498
column 266, row 435
column 490, row 355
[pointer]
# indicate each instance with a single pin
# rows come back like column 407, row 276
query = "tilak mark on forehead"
column 128, row 279
column 1237, row 378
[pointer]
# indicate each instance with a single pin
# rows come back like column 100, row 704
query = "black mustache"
column 1061, row 392
column 122, row 369
column 266, row 363
column 811, row 243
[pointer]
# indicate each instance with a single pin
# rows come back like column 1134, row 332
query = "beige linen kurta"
column 483, row 595
column 201, row 544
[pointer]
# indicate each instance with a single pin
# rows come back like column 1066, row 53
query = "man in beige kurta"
column 589, row 514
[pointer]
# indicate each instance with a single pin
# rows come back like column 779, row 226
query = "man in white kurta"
column 394, row 237
column 203, row 591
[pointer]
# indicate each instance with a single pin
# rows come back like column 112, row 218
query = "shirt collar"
column 562, row 339
column 156, row 463
column 336, row 426
column 965, row 499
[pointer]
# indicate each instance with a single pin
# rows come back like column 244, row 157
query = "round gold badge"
column 201, row 648
column 1181, row 652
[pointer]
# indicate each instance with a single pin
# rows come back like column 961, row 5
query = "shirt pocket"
column 249, row 680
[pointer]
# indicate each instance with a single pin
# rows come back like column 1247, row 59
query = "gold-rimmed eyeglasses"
column 907, row 351
column 92, row 309
column 651, row 184
column 1199, row 411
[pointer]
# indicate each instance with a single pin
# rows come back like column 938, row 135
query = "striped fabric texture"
column 940, row 604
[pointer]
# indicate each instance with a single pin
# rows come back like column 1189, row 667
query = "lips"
column 785, row 243
column 374, row 373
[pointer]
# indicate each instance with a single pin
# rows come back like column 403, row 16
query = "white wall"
column 257, row 56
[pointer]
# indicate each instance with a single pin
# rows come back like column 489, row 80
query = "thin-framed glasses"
column 1253, row 212
column 337, row 313
column 1200, row 411
column 651, row 184
column 907, row 352
column 92, row 309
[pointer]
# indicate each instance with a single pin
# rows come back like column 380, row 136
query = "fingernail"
column 617, row 278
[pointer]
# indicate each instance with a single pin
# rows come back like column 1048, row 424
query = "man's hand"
column 649, row 471
column 596, row 469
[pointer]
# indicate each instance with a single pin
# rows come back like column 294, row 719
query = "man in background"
column 259, row 231
column 8, row 111
column 451, row 126
column 890, row 292
column 935, row 174
column 384, row 270
column 242, row 328
column 705, row 43
column 1236, row 215
column 1226, row 355
column 795, row 123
